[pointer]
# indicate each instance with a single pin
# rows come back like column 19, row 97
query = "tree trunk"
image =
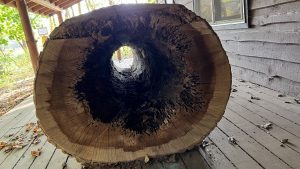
column 23, row 45
column 167, row 102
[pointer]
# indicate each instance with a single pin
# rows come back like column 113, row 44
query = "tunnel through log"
column 166, row 102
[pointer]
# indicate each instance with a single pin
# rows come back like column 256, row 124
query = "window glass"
column 206, row 9
column 228, row 10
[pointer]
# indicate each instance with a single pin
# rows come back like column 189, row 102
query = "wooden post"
column 87, row 5
column 51, row 23
column 72, row 10
column 60, row 18
column 31, row 43
column 54, row 21
column 67, row 14
column 79, row 8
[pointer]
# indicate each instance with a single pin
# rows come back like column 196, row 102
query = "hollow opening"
column 141, row 94
column 136, row 95
column 123, row 58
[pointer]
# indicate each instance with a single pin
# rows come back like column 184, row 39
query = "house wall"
column 267, row 53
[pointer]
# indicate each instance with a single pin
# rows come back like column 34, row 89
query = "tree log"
column 167, row 102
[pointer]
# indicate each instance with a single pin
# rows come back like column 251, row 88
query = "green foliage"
column 152, row 1
column 125, row 51
column 11, row 27
column 14, row 68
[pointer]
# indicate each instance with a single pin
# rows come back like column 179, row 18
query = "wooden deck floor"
column 256, row 147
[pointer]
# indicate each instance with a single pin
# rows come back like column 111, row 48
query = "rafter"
column 43, row 7
column 60, row 3
column 67, row 5
column 47, row 5
column 8, row 3
column 31, row 4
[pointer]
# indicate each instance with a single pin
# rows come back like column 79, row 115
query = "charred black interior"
column 138, row 98
column 141, row 98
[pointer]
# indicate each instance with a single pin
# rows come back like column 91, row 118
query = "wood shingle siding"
column 268, row 52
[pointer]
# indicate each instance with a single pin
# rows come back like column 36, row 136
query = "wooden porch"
column 249, row 108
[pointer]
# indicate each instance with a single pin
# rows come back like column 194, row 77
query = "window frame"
column 226, row 24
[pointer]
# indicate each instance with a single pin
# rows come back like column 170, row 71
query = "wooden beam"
column 59, row 3
column 66, row 4
column 31, row 4
column 44, row 10
column 12, row 4
column 37, row 8
column 8, row 1
column 31, row 43
column 53, row 1
column 70, row 4
column 49, row 13
column 47, row 4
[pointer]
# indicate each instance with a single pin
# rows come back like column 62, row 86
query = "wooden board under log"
column 167, row 102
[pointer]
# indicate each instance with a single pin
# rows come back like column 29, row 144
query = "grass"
column 14, row 68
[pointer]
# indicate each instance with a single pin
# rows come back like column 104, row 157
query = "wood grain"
column 68, row 121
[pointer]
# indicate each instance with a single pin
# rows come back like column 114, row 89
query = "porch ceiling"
column 43, row 7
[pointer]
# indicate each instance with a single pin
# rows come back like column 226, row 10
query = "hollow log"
column 167, row 102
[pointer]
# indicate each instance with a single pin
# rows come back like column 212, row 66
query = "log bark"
column 167, row 102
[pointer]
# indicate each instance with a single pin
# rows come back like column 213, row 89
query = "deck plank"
column 193, row 160
column 237, row 155
column 20, row 105
column 215, row 158
column 270, row 95
column 276, row 131
column 58, row 160
column 280, row 121
column 4, row 155
column 275, row 108
column 42, row 161
column 26, row 160
column 153, row 164
column 8, row 160
column 72, row 163
column 24, row 114
column 16, row 110
column 286, row 154
column 257, row 151
column 175, row 163
column 264, row 90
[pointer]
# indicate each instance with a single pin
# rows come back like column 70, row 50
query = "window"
column 223, row 14
column 169, row 2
